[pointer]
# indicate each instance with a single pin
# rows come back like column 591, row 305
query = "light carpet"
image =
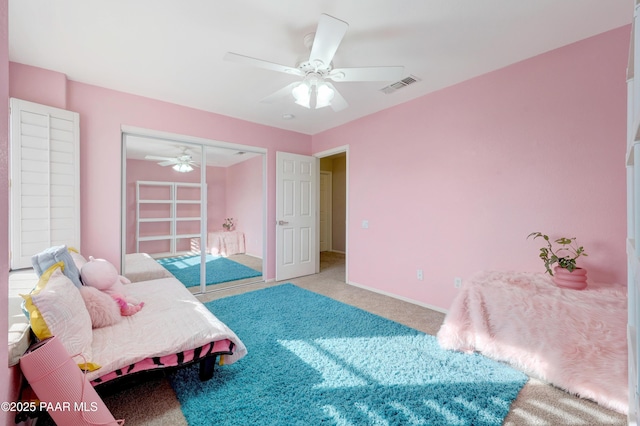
column 219, row 269
column 313, row 360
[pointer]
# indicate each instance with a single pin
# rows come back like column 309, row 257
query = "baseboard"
column 395, row 296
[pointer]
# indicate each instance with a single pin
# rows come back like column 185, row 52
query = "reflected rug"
column 315, row 360
column 219, row 269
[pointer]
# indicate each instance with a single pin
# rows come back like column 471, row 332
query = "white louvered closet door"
column 45, row 180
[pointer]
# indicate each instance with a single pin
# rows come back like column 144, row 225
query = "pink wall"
column 6, row 391
column 453, row 182
column 150, row 171
column 244, row 202
column 472, row 170
column 216, row 197
column 103, row 112
column 23, row 77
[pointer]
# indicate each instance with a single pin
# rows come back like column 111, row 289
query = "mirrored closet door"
column 192, row 209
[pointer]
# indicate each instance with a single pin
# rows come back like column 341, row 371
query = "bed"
column 172, row 329
column 573, row 339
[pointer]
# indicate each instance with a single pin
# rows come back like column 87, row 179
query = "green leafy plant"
column 565, row 254
column 228, row 223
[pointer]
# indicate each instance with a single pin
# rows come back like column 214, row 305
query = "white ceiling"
column 173, row 50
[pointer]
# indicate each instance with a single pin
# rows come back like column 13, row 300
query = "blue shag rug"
column 314, row 360
column 219, row 269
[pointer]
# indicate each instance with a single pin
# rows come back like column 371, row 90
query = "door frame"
column 329, row 209
column 327, row 153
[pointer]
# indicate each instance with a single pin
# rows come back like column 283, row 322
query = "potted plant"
column 565, row 254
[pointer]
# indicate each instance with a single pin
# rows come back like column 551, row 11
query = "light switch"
column 365, row 224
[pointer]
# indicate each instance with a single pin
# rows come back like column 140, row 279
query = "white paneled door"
column 296, row 199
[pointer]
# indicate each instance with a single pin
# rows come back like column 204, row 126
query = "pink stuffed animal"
column 101, row 274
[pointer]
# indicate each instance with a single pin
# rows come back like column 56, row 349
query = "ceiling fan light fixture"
column 323, row 44
column 324, row 95
column 182, row 167
column 302, row 94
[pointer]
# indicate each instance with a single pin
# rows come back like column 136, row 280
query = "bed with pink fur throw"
column 575, row 340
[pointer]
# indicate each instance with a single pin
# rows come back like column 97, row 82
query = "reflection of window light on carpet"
column 333, row 374
column 181, row 265
column 449, row 416
column 407, row 412
column 340, row 368
column 471, row 405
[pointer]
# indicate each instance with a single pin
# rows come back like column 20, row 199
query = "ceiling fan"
column 314, row 89
column 181, row 163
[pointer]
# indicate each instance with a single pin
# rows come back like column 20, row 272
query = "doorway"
column 333, row 200
column 196, row 207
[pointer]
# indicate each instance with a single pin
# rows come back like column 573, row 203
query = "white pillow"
column 78, row 259
column 57, row 309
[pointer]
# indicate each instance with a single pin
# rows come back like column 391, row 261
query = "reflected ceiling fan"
column 182, row 163
column 314, row 90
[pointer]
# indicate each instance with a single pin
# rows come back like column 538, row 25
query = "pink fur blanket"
column 575, row 340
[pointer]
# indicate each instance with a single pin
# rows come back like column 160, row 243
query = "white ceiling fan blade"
column 167, row 163
column 276, row 96
column 328, row 36
column 338, row 103
column 366, row 74
column 157, row 158
column 247, row 60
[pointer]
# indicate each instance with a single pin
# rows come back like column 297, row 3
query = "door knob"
column 282, row 222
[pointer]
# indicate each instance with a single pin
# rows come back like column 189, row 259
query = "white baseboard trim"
column 253, row 255
column 395, row 296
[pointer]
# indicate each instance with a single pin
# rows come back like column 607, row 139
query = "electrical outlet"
column 419, row 274
column 365, row 224
column 457, row 282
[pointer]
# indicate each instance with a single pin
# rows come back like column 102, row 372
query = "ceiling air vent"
column 400, row 84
